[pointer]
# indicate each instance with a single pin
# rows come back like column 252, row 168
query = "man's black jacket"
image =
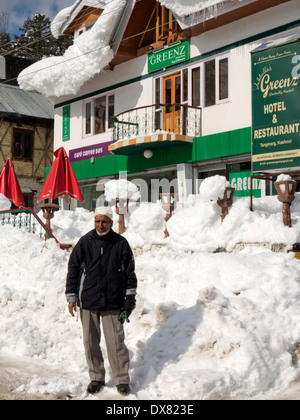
column 101, row 272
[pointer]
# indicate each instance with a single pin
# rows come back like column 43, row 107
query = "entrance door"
column 172, row 95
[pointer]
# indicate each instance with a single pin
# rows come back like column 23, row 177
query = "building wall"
column 30, row 173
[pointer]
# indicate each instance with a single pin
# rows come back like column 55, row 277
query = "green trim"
column 191, row 61
column 230, row 143
column 213, row 146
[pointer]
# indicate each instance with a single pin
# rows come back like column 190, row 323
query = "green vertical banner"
column 66, row 123
column 276, row 108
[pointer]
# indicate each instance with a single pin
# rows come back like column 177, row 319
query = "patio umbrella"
column 61, row 179
column 9, row 185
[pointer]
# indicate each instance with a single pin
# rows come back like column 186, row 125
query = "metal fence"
column 25, row 219
column 147, row 120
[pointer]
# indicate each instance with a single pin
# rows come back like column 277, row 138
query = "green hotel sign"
column 169, row 55
column 276, row 108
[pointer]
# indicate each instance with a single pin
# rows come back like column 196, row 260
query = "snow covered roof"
column 278, row 41
column 67, row 14
column 92, row 52
column 188, row 7
column 13, row 100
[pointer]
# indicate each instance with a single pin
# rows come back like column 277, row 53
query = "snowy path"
column 15, row 371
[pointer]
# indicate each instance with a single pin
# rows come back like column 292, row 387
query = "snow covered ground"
column 207, row 325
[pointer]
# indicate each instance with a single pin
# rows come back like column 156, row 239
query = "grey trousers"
column 117, row 352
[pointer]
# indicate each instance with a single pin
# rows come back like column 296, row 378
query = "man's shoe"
column 95, row 386
column 123, row 389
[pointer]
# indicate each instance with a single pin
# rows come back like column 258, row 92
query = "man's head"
column 103, row 219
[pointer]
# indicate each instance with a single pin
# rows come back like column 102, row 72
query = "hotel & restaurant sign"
column 276, row 108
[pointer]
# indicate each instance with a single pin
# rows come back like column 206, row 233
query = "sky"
column 20, row 10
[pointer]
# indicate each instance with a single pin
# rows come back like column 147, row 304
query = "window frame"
column 83, row 29
column 92, row 102
column 165, row 22
column 190, row 69
column 23, row 133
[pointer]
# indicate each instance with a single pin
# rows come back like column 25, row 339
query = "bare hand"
column 72, row 308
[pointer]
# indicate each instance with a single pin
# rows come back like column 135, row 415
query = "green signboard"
column 241, row 181
column 276, row 109
column 66, row 123
column 169, row 55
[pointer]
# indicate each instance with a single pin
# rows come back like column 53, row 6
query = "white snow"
column 122, row 189
column 4, row 203
column 207, row 325
column 90, row 53
column 187, row 7
column 61, row 18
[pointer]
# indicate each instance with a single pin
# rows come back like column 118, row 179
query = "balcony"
column 155, row 127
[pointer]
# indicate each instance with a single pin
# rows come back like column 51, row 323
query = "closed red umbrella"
column 9, row 185
column 61, row 179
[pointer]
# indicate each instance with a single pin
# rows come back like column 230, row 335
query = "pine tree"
column 36, row 40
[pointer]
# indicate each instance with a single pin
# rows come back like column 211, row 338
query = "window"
column 80, row 31
column 196, row 87
column 22, row 144
column 98, row 114
column 223, row 78
column 202, row 85
column 161, row 26
column 166, row 24
column 209, row 82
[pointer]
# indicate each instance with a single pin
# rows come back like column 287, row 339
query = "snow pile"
column 122, row 189
column 145, row 225
column 203, row 230
column 195, row 224
column 213, row 187
column 206, row 326
column 284, row 177
column 5, row 204
column 90, row 53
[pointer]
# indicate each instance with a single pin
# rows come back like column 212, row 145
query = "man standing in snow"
column 102, row 282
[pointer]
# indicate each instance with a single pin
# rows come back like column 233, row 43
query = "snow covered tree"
column 36, row 40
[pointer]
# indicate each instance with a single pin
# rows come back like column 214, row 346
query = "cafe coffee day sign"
column 276, row 108
column 169, row 56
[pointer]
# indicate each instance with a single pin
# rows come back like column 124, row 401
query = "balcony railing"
column 147, row 120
